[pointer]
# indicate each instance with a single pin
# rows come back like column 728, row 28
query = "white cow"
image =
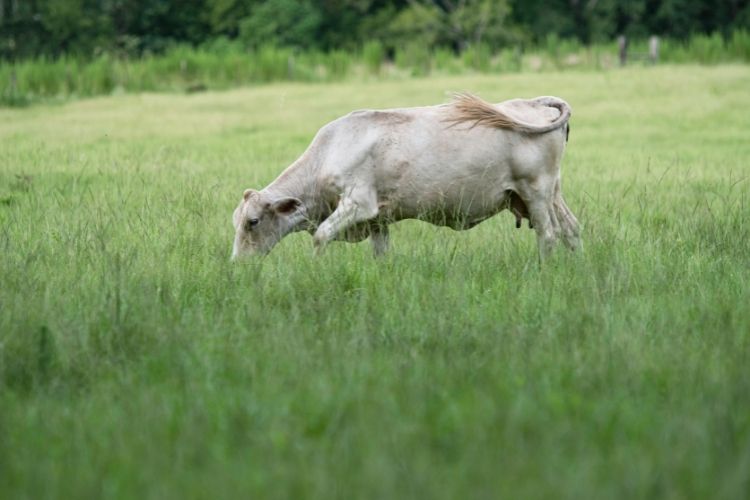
column 454, row 164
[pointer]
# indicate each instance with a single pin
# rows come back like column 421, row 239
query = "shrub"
column 414, row 57
column 271, row 63
column 477, row 57
column 707, row 49
column 738, row 46
column 373, row 55
column 509, row 60
column 337, row 64
column 444, row 60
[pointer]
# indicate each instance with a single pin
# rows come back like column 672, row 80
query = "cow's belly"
column 455, row 210
column 456, row 222
column 447, row 182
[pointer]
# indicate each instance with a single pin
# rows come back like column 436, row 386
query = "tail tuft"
column 470, row 108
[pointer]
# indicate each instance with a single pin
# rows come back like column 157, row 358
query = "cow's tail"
column 470, row 108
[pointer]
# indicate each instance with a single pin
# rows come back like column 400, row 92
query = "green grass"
column 137, row 362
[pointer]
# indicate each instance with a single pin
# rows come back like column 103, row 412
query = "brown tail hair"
column 470, row 108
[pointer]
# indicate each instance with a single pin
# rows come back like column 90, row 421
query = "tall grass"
column 373, row 56
column 708, row 49
column 225, row 64
column 181, row 68
column 414, row 58
column 136, row 361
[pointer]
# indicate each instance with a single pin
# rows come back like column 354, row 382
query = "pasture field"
column 136, row 361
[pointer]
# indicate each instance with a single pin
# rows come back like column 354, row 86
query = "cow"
column 454, row 164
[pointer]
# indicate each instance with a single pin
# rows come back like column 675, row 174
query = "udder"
column 518, row 207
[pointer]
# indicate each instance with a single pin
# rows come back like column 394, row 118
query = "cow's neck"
column 298, row 181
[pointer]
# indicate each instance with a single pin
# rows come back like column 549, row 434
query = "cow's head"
column 261, row 221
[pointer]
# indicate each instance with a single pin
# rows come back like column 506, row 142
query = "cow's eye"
column 250, row 223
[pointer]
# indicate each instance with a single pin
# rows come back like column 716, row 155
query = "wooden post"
column 653, row 49
column 622, row 44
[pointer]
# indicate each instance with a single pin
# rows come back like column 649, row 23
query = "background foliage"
column 134, row 27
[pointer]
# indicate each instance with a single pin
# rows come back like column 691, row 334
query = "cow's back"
column 419, row 162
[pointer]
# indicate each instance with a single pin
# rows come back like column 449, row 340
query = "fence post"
column 653, row 49
column 622, row 44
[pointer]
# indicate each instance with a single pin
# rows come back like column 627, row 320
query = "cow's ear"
column 285, row 206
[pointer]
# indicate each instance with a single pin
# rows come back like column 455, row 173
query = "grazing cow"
column 454, row 165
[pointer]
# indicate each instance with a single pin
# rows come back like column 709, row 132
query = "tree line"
column 87, row 28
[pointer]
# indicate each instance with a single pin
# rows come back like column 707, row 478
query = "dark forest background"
column 87, row 28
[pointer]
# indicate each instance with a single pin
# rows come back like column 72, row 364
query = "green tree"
column 158, row 23
column 477, row 21
column 292, row 23
column 421, row 22
column 454, row 23
column 224, row 16
column 344, row 23
column 75, row 26
column 84, row 27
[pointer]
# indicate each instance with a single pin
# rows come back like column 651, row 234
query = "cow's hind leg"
column 571, row 232
column 356, row 207
column 570, row 229
column 538, row 201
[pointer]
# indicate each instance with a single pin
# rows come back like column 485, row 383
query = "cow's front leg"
column 351, row 210
column 569, row 226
